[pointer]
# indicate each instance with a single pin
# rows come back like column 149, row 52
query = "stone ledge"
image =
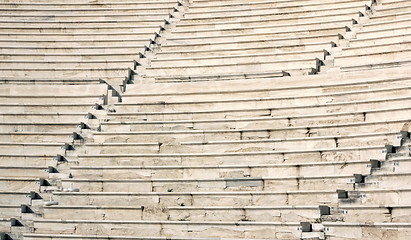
column 113, row 237
column 294, row 27
column 301, row 164
column 258, row 119
column 263, row 11
column 296, row 32
column 171, row 89
column 267, row 19
column 235, row 153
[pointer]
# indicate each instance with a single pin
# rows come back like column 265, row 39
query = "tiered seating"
column 61, row 63
column 381, row 42
column 179, row 171
column 77, row 41
column 39, row 123
column 259, row 39
column 257, row 157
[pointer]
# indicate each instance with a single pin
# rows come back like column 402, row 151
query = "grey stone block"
column 252, row 182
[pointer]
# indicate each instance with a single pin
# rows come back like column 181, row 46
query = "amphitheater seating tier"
column 205, row 119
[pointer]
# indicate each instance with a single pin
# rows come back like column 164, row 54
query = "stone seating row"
column 85, row 65
column 266, row 28
column 323, row 37
column 38, row 127
column 184, row 61
column 36, row 91
column 23, row 197
column 105, row 237
column 261, row 66
column 287, row 17
column 26, row 171
column 359, row 232
column 270, row 20
column 70, row 57
column 77, row 30
column 8, row 210
column 235, row 10
column 290, row 230
column 40, row 108
column 252, row 213
column 44, row 137
column 235, row 198
column 48, row 49
column 32, row 147
column 86, row 4
column 75, row 40
column 307, row 169
column 60, row 81
column 257, row 157
column 199, row 7
column 258, row 122
column 173, row 228
column 133, row 24
column 258, row 3
column 243, row 145
column 253, row 106
column 248, row 112
column 28, row 100
column 73, row 48
column 289, row 183
column 18, row 11
column 88, row 17
column 103, row 2
column 14, row 183
column 380, row 40
column 390, row 17
column 301, row 168
column 28, row 160
column 175, row 136
column 279, row 50
column 381, row 65
column 57, row 72
column 292, row 14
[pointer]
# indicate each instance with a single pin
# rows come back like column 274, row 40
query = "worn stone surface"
column 204, row 119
